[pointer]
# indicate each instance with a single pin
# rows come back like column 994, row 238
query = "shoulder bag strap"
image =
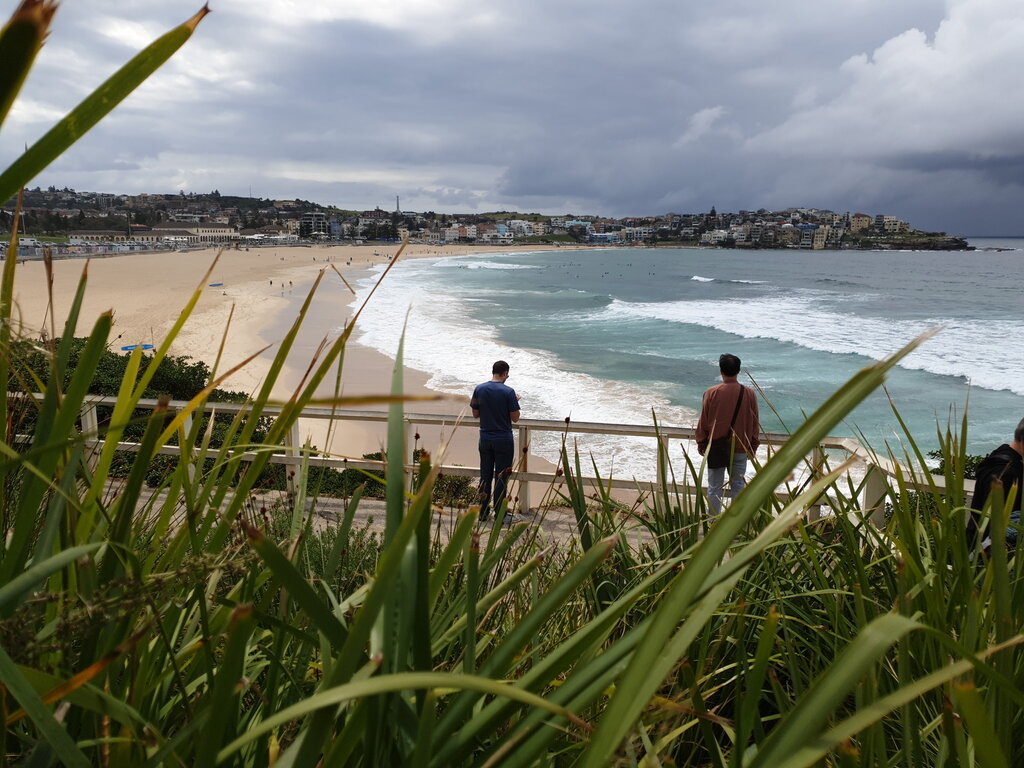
column 735, row 413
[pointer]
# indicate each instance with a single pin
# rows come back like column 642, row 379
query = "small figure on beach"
column 1005, row 466
column 497, row 406
column 728, row 430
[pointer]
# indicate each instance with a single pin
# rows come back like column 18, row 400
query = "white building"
column 714, row 237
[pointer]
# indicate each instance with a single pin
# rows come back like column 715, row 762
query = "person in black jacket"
column 1004, row 465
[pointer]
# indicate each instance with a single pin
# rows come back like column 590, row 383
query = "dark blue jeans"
column 495, row 466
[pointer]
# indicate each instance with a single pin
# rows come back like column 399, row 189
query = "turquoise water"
column 616, row 334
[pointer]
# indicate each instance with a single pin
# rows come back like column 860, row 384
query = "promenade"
column 534, row 492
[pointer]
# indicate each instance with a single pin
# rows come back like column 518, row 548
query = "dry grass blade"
column 346, row 282
column 197, row 402
column 394, row 260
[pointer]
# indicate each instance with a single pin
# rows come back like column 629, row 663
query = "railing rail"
column 877, row 469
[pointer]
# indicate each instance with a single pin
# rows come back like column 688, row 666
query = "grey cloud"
column 1005, row 169
column 615, row 109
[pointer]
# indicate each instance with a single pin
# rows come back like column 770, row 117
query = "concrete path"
column 553, row 524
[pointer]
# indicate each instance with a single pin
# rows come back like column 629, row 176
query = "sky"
column 913, row 108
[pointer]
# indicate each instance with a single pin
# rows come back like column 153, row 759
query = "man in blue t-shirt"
column 497, row 406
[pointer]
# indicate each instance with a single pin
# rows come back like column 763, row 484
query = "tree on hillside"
column 577, row 232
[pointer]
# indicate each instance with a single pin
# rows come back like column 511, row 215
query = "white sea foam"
column 963, row 348
column 446, row 340
column 443, row 340
column 502, row 267
column 459, row 264
column 701, row 279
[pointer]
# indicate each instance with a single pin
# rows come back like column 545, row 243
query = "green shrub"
column 969, row 462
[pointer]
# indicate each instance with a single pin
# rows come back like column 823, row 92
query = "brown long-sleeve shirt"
column 716, row 413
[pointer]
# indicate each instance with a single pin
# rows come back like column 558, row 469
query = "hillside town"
column 88, row 222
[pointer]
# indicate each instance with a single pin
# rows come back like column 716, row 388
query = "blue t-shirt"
column 496, row 403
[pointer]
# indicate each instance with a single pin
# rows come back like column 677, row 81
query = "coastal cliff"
column 930, row 243
column 910, row 241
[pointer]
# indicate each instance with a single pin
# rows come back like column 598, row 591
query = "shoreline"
column 246, row 304
column 367, row 372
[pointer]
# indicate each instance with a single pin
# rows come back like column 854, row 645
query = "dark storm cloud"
column 1002, row 169
column 614, row 108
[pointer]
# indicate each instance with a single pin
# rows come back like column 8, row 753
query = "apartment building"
column 313, row 224
column 859, row 222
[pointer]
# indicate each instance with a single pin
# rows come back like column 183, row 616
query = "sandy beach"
column 244, row 305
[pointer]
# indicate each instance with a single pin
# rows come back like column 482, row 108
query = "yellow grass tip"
column 200, row 15
column 39, row 12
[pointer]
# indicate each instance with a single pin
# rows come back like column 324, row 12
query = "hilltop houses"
column 96, row 220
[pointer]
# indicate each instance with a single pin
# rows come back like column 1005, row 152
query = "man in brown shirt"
column 716, row 415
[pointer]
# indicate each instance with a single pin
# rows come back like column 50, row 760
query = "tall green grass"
column 189, row 628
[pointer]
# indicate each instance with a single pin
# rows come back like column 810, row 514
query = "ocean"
column 623, row 334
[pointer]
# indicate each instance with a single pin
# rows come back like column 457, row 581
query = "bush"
column 970, row 464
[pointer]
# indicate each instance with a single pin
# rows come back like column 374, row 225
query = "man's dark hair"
column 1018, row 433
column 729, row 365
column 500, row 368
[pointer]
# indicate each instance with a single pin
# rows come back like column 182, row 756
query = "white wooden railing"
column 877, row 470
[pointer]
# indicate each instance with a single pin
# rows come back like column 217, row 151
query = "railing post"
column 524, row 468
column 817, row 457
column 292, row 444
column 875, row 490
column 90, row 430
column 407, row 457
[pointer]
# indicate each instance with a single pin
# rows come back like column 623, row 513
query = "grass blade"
column 802, row 725
column 812, row 753
column 55, row 735
column 225, row 688
column 20, row 41
column 298, row 588
column 95, row 107
column 651, row 663
column 442, row 682
column 980, row 726
column 14, row 589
